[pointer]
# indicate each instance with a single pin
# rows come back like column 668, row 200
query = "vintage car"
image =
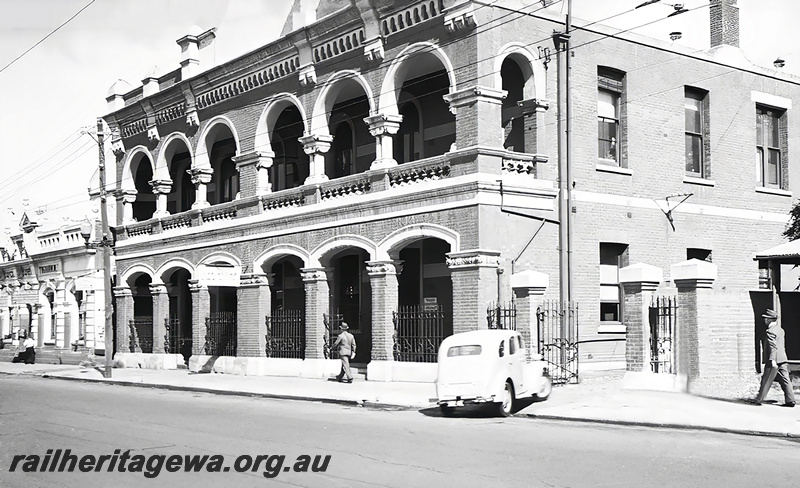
column 489, row 366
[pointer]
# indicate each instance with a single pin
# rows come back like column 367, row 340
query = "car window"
column 472, row 350
column 502, row 350
column 512, row 346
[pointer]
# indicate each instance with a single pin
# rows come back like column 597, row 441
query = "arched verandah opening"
column 144, row 206
column 179, row 161
column 286, row 331
column 351, row 300
column 179, row 321
column 140, row 328
column 353, row 148
column 290, row 164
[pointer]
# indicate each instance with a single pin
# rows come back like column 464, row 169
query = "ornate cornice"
column 256, row 279
column 473, row 259
column 311, row 275
column 383, row 268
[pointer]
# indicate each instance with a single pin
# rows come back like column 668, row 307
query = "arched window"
column 512, row 119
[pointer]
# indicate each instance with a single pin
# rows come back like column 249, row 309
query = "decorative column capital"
column 200, row 175
column 125, row 196
column 383, row 124
column 470, row 96
column 161, row 187
column 532, row 105
column 256, row 280
column 312, row 275
column 384, row 268
column 260, row 159
column 373, row 50
column 474, row 258
column 122, row 291
column 196, row 286
column 316, row 144
column 158, row 289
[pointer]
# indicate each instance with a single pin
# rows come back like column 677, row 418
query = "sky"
column 57, row 89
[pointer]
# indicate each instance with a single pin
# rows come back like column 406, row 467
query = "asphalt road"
column 367, row 447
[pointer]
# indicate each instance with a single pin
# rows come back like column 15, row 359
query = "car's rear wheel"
column 506, row 405
column 546, row 388
column 447, row 411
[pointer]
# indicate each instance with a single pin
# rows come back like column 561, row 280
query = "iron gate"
column 418, row 332
column 332, row 322
column 663, row 326
column 141, row 334
column 502, row 316
column 221, row 334
column 557, row 326
column 286, row 334
column 174, row 340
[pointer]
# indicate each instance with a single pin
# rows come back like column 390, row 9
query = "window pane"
column 694, row 114
column 609, row 293
column 774, row 136
column 609, row 312
column 609, row 274
column 760, row 129
column 774, row 164
column 759, row 166
column 694, row 153
column 607, row 104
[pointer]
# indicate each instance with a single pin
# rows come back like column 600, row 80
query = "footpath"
column 599, row 397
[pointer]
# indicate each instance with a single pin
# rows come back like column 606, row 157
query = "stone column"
column 383, row 282
column 253, row 299
column 253, row 170
column 158, row 291
column 478, row 112
column 201, row 309
column 315, row 281
column 639, row 282
column 124, row 298
column 125, row 199
column 703, row 347
column 383, row 128
column 201, row 177
column 316, row 146
column 474, row 276
column 529, row 288
column 35, row 324
column 60, row 303
column 161, row 188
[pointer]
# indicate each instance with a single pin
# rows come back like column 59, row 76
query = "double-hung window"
column 609, row 115
column 613, row 256
column 697, row 154
column 770, row 139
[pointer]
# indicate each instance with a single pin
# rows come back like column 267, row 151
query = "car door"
column 516, row 365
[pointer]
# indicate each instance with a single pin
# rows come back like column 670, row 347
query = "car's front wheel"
column 506, row 404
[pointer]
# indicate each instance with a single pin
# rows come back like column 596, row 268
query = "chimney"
column 724, row 17
column 191, row 47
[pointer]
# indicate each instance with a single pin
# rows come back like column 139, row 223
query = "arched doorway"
column 179, row 321
column 140, row 329
column 286, row 320
column 351, row 300
column 425, row 301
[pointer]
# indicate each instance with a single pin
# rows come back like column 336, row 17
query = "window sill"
column 612, row 168
column 611, row 328
column 696, row 180
column 773, row 191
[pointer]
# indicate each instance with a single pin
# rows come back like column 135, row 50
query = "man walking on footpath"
column 346, row 347
column 775, row 360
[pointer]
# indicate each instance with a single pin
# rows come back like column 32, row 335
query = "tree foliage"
column 792, row 230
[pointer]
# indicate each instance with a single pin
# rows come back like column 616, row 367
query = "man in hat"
column 775, row 361
column 346, row 347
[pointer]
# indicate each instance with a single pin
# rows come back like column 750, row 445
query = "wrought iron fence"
column 502, row 316
column 418, row 332
column 286, row 334
column 141, row 334
column 557, row 325
column 332, row 322
column 220, row 334
column 174, row 340
column 663, row 327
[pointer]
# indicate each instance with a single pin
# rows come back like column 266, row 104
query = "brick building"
column 392, row 159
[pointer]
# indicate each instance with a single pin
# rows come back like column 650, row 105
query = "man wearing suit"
column 775, row 361
column 346, row 347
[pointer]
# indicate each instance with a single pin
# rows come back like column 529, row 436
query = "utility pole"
column 562, row 43
column 105, row 248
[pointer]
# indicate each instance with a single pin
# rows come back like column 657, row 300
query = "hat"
column 343, row 326
column 770, row 314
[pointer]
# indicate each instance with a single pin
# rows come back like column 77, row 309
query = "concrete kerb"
column 656, row 425
column 214, row 391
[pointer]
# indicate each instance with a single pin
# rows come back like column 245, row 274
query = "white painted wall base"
column 640, row 380
column 148, row 361
column 250, row 366
column 401, row 371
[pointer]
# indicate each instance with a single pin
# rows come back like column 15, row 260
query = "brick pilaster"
column 160, row 314
column 317, row 291
column 639, row 282
column 254, row 170
column 478, row 112
column 383, row 282
column 529, row 288
column 124, row 298
column 253, row 305
column 474, row 277
column 201, row 309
